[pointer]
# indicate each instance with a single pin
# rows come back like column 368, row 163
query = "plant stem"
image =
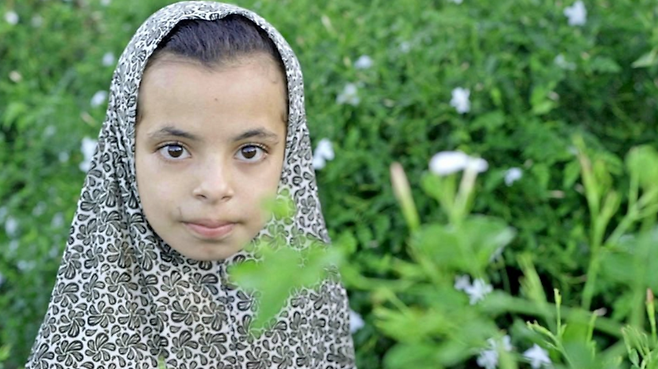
column 497, row 303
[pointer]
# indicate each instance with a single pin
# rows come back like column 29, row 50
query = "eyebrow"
column 169, row 131
column 258, row 132
column 172, row 131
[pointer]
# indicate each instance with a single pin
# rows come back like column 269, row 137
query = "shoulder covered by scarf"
column 124, row 299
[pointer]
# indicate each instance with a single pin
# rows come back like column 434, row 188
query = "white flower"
column 576, row 13
column 488, row 359
column 88, row 147
column 63, row 157
column 39, row 209
column 37, row 21
column 356, row 322
column 54, row 251
column 58, row 221
column 479, row 165
column 512, row 175
column 448, row 162
column 405, row 47
column 460, row 100
column 538, row 357
column 13, row 246
column 15, row 76
column 108, row 59
column 323, row 152
column 478, row 290
column 462, row 282
column 507, row 343
column 457, row 1
column 11, row 226
column 562, row 62
column 364, row 62
column 49, row 131
column 105, row 2
column 349, row 95
column 25, row 266
column 11, row 17
column 98, row 98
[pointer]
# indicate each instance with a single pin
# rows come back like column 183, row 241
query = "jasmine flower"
column 488, row 359
column 11, row 17
column 323, row 152
column 349, row 95
column 98, row 99
column 364, row 62
column 460, row 100
column 512, row 175
column 562, row 62
column 576, row 13
column 356, row 322
column 88, row 147
column 11, row 226
column 478, row 290
column 108, row 59
column 538, row 357
column 462, row 282
column 448, row 162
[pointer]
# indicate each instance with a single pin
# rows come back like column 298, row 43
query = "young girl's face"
column 209, row 149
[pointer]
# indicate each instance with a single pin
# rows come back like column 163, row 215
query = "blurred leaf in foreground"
column 280, row 272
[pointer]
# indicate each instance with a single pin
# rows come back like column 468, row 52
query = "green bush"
column 534, row 80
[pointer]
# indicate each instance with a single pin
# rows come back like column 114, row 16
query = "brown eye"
column 173, row 152
column 251, row 153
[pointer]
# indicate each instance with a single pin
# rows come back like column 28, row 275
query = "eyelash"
column 160, row 149
column 263, row 148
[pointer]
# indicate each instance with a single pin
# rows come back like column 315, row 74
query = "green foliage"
column 534, row 82
column 284, row 271
column 435, row 325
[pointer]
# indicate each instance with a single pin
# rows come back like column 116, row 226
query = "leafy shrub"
column 534, row 82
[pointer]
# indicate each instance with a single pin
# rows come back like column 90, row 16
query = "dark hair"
column 214, row 43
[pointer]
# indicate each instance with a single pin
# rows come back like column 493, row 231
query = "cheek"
column 152, row 183
column 263, row 185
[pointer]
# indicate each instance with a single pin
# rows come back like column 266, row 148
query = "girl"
column 205, row 119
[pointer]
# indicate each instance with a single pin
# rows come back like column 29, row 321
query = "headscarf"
column 125, row 299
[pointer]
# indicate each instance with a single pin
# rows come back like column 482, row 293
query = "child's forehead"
column 191, row 97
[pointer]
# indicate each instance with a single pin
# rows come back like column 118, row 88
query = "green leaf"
column 604, row 64
column 280, row 272
column 539, row 100
column 417, row 356
column 647, row 60
column 571, row 174
column 642, row 162
column 489, row 121
column 468, row 248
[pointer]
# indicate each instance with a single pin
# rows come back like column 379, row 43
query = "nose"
column 214, row 183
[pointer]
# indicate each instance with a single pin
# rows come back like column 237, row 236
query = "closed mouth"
column 210, row 230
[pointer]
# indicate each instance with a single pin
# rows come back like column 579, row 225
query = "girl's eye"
column 174, row 152
column 251, row 153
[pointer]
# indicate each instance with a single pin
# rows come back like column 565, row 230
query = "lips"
column 210, row 229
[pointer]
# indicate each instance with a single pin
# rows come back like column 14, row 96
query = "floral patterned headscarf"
column 125, row 299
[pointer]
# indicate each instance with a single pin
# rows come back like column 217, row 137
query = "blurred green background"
column 380, row 77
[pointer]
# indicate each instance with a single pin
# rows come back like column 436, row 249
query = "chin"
column 210, row 253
